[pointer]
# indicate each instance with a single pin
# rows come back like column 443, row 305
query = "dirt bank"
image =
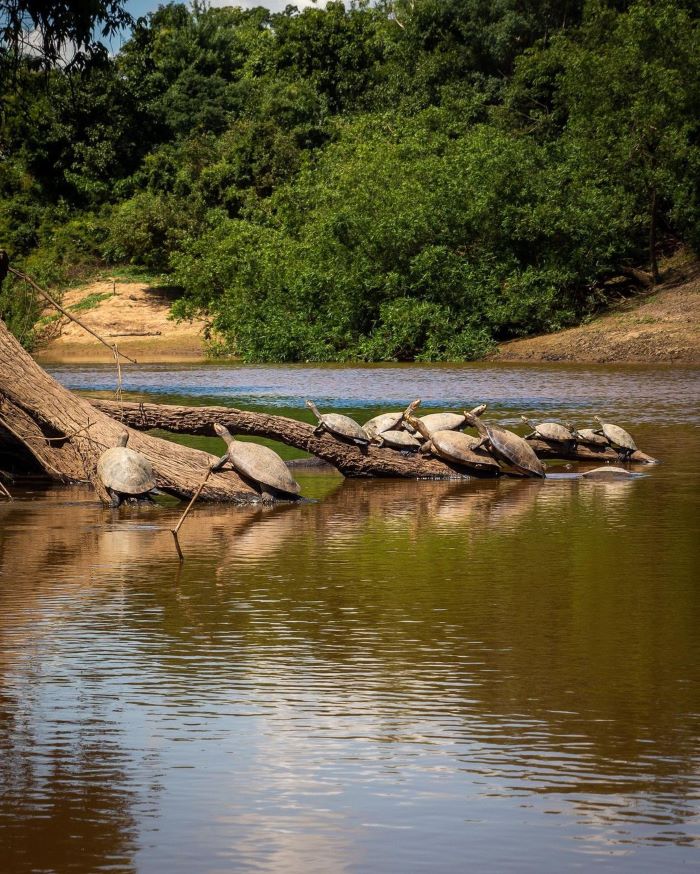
column 660, row 326
column 134, row 315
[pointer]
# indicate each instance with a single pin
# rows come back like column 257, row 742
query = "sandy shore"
column 661, row 326
column 133, row 315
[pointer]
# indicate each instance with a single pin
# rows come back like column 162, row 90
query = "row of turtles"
column 440, row 434
column 127, row 474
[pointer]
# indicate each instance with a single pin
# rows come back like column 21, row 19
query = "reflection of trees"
column 518, row 614
column 66, row 797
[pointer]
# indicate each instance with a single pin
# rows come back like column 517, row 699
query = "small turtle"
column 509, row 446
column 401, row 440
column 440, row 421
column 551, row 432
column 338, row 425
column 588, row 436
column 618, row 438
column 385, row 422
column 125, row 473
column 258, row 463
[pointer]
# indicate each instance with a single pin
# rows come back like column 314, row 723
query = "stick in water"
column 5, row 492
column 175, row 530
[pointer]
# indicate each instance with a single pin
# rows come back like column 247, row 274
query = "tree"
column 59, row 30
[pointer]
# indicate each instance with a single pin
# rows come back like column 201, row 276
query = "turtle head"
column 223, row 432
column 314, row 409
column 478, row 411
column 123, row 438
column 598, row 420
column 528, row 422
column 411, row 408
column 474, row 422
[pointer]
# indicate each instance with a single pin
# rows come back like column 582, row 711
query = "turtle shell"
column 459, row 448
column 618, row 436
column 443, row 421
column 262, row 465
column 399, row 440
column 344, row 426
column 380, row 424
column 609, row 472
column 591, row 437
column 515, row 450
column 126, row 471
column 554, row 432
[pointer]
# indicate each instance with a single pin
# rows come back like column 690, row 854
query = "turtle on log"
column 550, row 432
column 125, row 473
column 258, row 464
column 384, row 422
column 339, row 426
column 513, row 449
column 618, row 438
column 588, row 436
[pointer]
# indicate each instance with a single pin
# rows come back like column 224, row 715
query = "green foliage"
column 395, row 181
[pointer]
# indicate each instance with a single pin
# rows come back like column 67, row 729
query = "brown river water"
column 395, row 677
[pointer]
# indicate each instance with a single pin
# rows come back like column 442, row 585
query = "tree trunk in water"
column 66, row 434
column 350, row 460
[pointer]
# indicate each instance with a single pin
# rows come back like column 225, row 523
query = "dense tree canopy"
column 391, row 181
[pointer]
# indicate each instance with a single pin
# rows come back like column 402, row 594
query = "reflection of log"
column 348, row 459
column 66, row 435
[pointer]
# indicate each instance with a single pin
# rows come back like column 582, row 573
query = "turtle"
column 551, row 432
column 257, row 463
column 609, row 472
column 618, row 438
column 125, row 473
column 401, row 440
column 460, row 449
column 506, row 445
column 385, row 422
column 588, row 436
column 439, row 421
column 338, row 425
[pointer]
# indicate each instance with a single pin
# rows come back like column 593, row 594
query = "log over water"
column 65, row 434
column 349, row 459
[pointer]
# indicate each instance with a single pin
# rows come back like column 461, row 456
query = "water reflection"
column 457, row 662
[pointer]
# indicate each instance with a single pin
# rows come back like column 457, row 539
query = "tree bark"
column 350, row 460
column 66, row 434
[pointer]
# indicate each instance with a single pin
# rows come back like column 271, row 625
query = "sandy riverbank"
column 133, row 315
column 658, row 326
column 661, row 326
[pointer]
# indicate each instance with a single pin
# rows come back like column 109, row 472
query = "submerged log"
column 349, row 459
column 65, row 434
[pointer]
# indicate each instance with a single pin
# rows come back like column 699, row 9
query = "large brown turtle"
column 125, row 473
column 512, row 448
column 550, row 432
column 258, row 464
column 454, row 446
column 618, row 438
column 338, row 425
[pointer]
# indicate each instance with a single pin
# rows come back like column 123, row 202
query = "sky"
column 141, row 7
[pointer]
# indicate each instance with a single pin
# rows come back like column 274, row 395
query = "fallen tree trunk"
column 66, row 434
column 350, row 460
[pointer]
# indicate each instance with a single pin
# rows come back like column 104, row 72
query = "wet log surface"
column 349, row 459
column 65, row 434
